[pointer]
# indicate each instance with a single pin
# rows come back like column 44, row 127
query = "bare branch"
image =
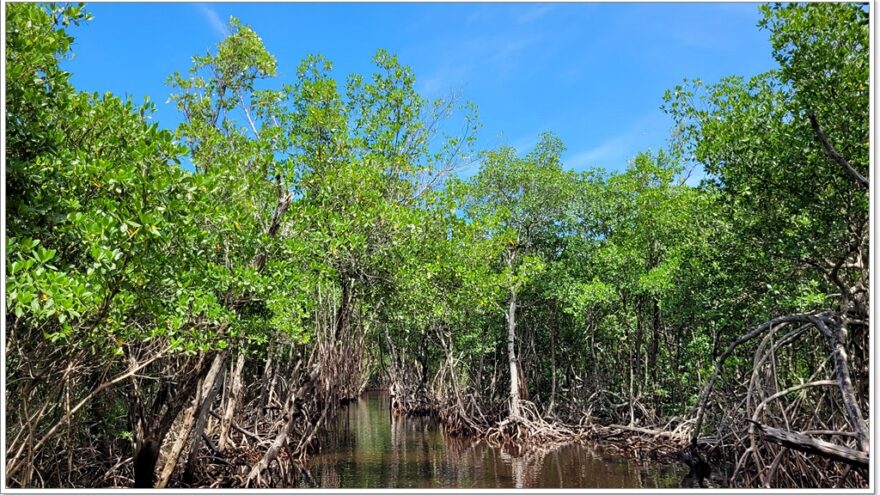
column 829, row 148
column 804, row 443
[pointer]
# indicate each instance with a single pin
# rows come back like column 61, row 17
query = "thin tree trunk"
column 655, row 341
column 187, row 424
column 423, row 361
column 636, row 358
column 594, row 364
column 344, row 313
column 836, row 337
column 265, row 391
column 234, row 394
column 511, row 355
column 212, row 387
column 553, row 364
column 152, row 433
column 632, row 415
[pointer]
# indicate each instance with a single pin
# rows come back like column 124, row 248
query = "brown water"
column 368, row 448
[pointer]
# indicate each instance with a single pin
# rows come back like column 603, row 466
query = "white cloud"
column 532, row 14
column 615, row 151
column 497, row 54
column 526, row 143
column 518, row 14
column 441, row 82
column 498, row 41
column 599, row 156
column 478, row 15
column 506, row 48
column 210, row 15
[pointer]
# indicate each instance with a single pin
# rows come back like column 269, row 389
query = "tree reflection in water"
column 368, row 448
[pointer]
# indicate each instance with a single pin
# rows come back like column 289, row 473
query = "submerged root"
column 644, row 444
column 529, row 428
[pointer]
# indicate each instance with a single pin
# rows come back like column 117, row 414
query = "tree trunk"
column 187, row 424
column 636, row 360
column 836, row 337
column 211, row 388
column 511, row 355
column 594, row 362
column 632, row 414
column 234, row 394
column 423, row 362
column 655, row 342
column 553, row 365
column 265, row 389
column 151, row 434
column 145, row 463
column 344, row 313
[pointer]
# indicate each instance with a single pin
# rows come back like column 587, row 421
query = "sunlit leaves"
column 789, row 202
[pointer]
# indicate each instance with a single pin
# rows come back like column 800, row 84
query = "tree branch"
column 805, row 443
column 829, row 148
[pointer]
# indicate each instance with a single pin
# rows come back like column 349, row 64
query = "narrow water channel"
column 368, row 448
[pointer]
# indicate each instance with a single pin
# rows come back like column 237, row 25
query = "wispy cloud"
column 500, row 40
column 448, row 78
column 599, row 155
column 507, row 48
column 478, row 15
column 616, row 150
column 210, row 15
column 525, row 143
column 531, row 14
column 498, row 54
column 517, row 14
column 698, row 27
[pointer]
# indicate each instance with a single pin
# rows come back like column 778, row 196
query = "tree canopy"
column 230, row 284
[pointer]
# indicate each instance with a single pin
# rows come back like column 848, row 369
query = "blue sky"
column 593, row 73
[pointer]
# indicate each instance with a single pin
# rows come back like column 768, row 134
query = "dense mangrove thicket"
column 191, row 308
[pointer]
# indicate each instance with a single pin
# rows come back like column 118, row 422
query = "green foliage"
column 792, row 211
column 310, row 191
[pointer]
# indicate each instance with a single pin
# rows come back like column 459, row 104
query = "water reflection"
column 369, row 448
